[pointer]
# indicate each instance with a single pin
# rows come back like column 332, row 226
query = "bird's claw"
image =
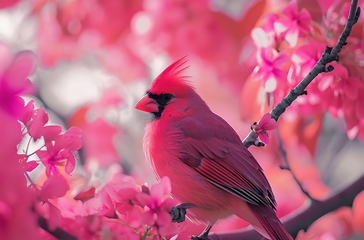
column 178, row 212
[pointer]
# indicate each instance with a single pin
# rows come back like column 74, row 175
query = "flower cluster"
column 289, row 45
column 121, row 209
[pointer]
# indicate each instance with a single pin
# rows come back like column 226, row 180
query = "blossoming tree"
column 71, row 166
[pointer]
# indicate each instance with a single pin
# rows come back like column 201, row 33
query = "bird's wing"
column 215, row 151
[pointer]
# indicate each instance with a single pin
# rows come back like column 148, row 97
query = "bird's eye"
column 165, row 98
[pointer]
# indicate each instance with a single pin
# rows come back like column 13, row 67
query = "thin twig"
column 287, row 166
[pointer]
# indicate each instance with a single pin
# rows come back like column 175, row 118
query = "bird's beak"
column 147, row 104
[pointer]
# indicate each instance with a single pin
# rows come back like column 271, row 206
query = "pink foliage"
column 8, row 3
column 294, row 24
column 124, row 36
column 17, row 220
column 338, row 92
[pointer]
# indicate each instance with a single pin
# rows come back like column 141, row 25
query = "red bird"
column 207, row 163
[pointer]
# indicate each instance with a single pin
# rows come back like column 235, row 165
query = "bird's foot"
column 178, row 212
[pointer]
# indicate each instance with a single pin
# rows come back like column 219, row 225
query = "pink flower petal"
column 51, row 132
column 144, row 199
column 291, row 10
column 282, row 25
column 35, row 128
column 260, row 38
column 291, row 36
column 164, row 218
column 22, row 66
column 31, row 165
column 168, row 203
column 158, row 190
column 126, row 194
column 55, row 186
column 71, row 139
column 265, row 119
column 85, row 195
column 272, row 124
column 350, row 91
column 148, row 218
column 123, row 208
column 27, row 112
column 352, row 133
column 281, row 59
column 71, row 163
column 264, row 138
column 325, row 82
column 305, row 20
column 270, row 84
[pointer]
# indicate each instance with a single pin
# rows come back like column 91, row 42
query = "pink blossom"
column 17, row 221
column 294, row 24
column 59, row 152
column 78, row 220
column 304, row 58
column 78, row 27
column 14, row 72
column 8, row 3
column 269, row 69
column 116, row 197
column 157, row 211
column 266, row 36
column 265, row 124
column 55, row 186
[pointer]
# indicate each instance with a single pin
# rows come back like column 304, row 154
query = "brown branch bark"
column 303, row 217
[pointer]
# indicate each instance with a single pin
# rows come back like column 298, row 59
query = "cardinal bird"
column 210, row 169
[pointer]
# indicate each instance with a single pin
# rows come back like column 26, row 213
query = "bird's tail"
column 271, row 227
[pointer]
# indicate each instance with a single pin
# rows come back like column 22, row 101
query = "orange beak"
column 146, row 104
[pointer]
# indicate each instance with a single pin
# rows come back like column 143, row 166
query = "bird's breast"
column 163, row 148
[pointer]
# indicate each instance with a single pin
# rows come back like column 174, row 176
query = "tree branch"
column 330, row 54
column 303, row 217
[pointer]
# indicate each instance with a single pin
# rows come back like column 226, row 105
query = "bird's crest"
column 172, row 81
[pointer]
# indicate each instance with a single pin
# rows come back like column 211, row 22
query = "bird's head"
column 169, row 87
